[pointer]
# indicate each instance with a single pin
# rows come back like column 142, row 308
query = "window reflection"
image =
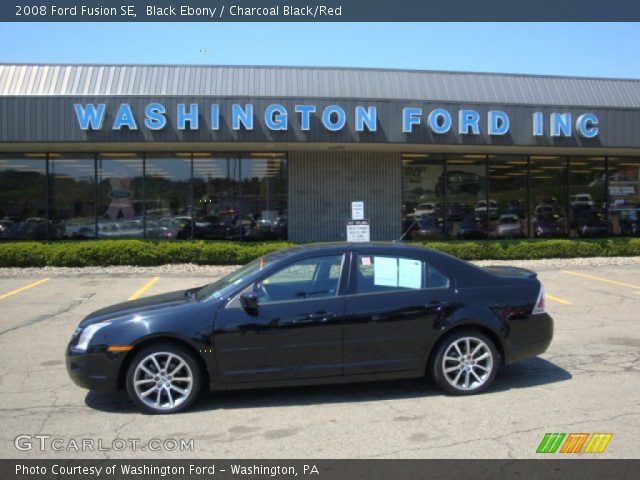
column 548, row 196
column 587, row 215
column 120, row 193
column 72, row 189
column 467, row 207
column 624, row 195
column 168, row 196
column 422, row 202
column 508, row 196
column 264, row 196
column 216, row 197
column 23, row 204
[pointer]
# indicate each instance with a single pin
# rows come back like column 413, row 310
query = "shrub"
column 143, row 253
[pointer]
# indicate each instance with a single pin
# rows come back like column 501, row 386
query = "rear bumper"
column 528, row 337
column 94, row 370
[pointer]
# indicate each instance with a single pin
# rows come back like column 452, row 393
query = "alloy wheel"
column 163, row 380
column 467, row 363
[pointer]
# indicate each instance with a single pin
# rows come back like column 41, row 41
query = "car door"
column 392, row 306
column 295, row 331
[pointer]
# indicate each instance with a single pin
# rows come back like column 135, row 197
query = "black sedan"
column 326, row 313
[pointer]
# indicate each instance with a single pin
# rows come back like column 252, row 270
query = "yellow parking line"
column 144, row 288
column 600, row 279
column 22, row 289
column 559, row 300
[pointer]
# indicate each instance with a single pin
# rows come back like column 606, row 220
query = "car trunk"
column 506, row 271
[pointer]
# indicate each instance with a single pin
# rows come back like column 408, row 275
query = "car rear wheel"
column 163, row 378
column 465, row 362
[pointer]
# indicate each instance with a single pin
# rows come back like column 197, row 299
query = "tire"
column 167, row 390
column 471, row 375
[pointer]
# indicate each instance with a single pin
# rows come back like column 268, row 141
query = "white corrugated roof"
column 315, row 82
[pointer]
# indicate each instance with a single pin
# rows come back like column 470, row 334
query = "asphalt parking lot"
column 588, row 381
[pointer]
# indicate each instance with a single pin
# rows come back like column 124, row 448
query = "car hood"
column 139, row 306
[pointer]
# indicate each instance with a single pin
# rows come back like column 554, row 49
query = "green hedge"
column 534, row 249
column 140, row 252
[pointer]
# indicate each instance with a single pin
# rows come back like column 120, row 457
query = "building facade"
column 256, row 153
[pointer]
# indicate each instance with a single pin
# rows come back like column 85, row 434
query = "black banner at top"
column 319, row 11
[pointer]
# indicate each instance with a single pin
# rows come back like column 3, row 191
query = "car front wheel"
column 465, row 362
column 163, row 378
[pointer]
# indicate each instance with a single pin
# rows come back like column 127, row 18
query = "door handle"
column 286, row 323
column 324, row 317
column 320, row 317
column 438, row 305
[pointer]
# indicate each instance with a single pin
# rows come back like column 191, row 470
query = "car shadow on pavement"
column 525, row 374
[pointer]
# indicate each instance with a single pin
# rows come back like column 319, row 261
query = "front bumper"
column 98, row 370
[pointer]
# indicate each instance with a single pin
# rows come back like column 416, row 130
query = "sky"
column 582, row 49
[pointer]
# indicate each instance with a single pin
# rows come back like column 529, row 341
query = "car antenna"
column 406, row 231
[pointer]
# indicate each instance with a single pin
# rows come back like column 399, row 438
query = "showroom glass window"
column 422, row 202
column 548, row 197
column 120, row 195
column 624, row 195
column 587, row 208
column 168, row 195
column 216, row 196
column 507, row 204
column 72, row 193
column 23, row 201
column 264, row 196
column 465, row 188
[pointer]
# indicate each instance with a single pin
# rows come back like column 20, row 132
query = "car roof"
column 339, row 247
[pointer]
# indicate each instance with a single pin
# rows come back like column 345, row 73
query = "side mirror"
column 249, row 302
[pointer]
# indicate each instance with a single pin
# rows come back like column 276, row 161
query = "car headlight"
column 87, row 334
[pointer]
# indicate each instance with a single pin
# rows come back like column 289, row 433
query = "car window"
column 385, row 273
column 435, row 279
column 382, row 273
column 311, row 278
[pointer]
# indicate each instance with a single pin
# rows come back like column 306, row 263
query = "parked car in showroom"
column 591, row 224
column 510, row 226
column 428, row 208
column 482, row 207
column 472, row 227
column 426, row 228
column 316, row 314
column 545, row 225
column 581, row 199
column 517, row 207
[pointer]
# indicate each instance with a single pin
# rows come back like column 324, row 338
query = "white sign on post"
column 357, row 210
column 358, row 231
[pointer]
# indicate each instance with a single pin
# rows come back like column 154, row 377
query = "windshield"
column 226, row 284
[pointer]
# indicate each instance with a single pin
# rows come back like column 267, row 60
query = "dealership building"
column 255, row 153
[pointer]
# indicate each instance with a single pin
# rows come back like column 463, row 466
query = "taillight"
column 539, row 308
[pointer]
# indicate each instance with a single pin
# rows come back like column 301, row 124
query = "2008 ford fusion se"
column 314, row 314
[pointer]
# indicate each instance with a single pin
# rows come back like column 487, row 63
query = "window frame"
column 343, row 279
column 353, row 274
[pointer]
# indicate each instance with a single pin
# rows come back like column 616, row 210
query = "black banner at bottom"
column 547, row 469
